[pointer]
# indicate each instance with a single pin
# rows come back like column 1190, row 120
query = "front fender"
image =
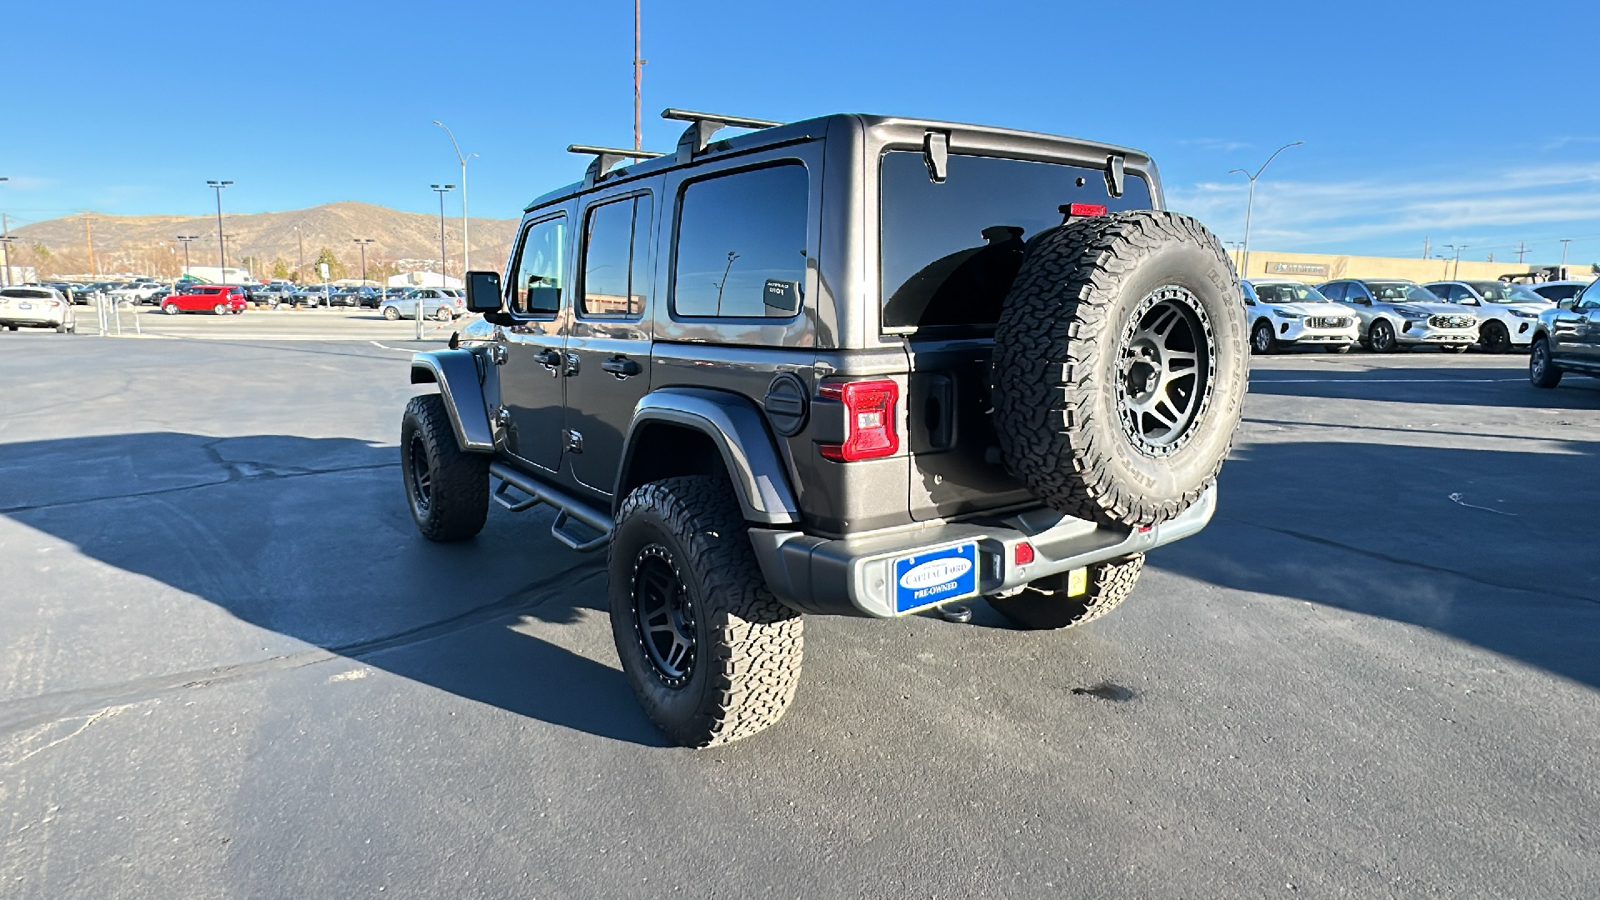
column 456, row 374
column 739, row 431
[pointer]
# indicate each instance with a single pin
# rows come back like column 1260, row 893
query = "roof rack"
column 605, row 158
column 703, row 125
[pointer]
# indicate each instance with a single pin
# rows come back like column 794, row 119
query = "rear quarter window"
column 741, row 244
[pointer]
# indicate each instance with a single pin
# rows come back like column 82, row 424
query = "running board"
column 570, row 511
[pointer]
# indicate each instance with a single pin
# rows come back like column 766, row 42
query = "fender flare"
column 456, row 373
column 739, row 431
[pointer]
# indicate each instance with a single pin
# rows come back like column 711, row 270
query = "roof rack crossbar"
column 702, row 125
column 606, row 157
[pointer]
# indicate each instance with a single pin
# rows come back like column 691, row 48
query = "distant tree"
column 335, row 268
column 280, row 270
column 41, row 251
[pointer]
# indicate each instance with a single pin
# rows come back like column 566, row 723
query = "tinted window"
column 1334, row 291
column 536, row 286
column 742, row 244
column 615, row 271
column 950, row 251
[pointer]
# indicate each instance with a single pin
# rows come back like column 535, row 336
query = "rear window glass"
column 950, row 251
column 741, row 249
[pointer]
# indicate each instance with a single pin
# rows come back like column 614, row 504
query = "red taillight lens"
column 1085, row 209
column 869, row 420
column 1023, row 554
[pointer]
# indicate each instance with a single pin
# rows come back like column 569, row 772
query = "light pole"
column 441, row 190
column 300, row 268
column 1456, row 272
column 5, row 244
column 1251, row 202
column 362, row 243
column 1564, row 243
column 222, row 249
column 466, row 249
column 185, row 239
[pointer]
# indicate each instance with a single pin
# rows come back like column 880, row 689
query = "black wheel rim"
column 1381, row 338
column 421, row 474
column 1263, row 338
column 1496, row 338
column 663, row 616
column 1166, row 363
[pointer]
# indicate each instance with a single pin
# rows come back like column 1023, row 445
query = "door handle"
column 549, row 358
column 621, row 366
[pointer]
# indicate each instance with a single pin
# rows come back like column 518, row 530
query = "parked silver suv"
column 1396, row 314
column 1506, row 312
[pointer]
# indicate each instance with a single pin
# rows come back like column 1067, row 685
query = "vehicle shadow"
column 311, row 538
column 1460, row 386
column 1492, row 547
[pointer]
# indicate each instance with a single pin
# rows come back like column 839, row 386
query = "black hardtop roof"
column 812, row 129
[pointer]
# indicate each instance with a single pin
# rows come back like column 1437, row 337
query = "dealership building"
column 1315, row 268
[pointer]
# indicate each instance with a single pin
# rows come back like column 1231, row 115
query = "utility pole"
column 5, row 243
column 441, row 190
column 1564, row 243
column 1250, row 203
column 1457, row 272
column 638, row 80
column 1425, row 247
column 1522, row 250
column 300, row 268
column 88, row 233
column 222, row 248
column 466, row 249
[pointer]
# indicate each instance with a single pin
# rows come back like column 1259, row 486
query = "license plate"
column 936, row 576
column 24, row 306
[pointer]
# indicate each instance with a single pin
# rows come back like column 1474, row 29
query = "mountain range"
column 263, row 242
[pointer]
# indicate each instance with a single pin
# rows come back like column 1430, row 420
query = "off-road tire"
column 1263, row 344
column 1060, row 362
column 455, row 502
column 1494, row 337
column 1044, row 605
column 748, row 646
column 1542, row 371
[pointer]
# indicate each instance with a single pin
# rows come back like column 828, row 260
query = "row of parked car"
column 1389, row 314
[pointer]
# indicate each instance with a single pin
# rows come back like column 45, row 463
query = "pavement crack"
column 234, row 475
column 1412, row 563
column 46, row 709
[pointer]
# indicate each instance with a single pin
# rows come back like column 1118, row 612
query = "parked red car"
column 214, row 298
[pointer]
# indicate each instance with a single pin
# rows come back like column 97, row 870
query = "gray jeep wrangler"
column 855, row 365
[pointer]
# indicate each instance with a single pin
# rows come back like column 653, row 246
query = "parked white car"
column 36, row 307
column 437, row 303
column 1287, row 313
column 1507, row 313
column 140, row 292
column 1397, row 314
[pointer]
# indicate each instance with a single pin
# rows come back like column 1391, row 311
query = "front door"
column 1588, row 307
column 531, row 382
column 608, row 346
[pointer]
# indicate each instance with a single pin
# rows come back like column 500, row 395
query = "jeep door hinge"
column 574, row 440
column 499, row 354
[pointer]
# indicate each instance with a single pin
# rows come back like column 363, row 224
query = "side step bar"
column 569, row 509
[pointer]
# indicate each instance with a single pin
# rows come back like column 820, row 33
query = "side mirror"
column 483, row 292
column 1568, row 303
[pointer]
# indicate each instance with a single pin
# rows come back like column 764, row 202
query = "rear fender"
column 460, row 382
column 736, row 428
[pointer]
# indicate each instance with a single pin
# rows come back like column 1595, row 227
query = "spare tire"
column 1120, row 366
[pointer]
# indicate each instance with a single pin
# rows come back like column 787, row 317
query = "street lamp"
column 5, row 246
column 222, row 250
column 362, row 243
column 185, row 239
column 1251, row 202
column 441, row 190
column 466, row 250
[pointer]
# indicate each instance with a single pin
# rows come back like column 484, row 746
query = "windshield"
column 949, row 251
column 1501, row 292
column 1400, row 292
column 1288, row 293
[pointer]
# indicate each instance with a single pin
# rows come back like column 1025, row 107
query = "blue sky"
column 1445, row 120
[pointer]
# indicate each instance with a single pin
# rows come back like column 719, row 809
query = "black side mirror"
column 483, row 292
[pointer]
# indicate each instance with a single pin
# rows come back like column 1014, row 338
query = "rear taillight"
column 869, row 419
column 1076, row 210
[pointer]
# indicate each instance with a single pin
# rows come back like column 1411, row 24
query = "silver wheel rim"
column 1538, row 360
column 1166, row 366
column 1263, row 338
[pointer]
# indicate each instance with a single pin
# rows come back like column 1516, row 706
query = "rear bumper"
column 27, row 319
column 852, row 576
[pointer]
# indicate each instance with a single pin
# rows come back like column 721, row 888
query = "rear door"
column 608, row 345
column 531, row 382
column 949, row 251
column 1587, row 347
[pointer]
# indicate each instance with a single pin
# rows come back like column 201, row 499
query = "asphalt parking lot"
column 229, row 667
